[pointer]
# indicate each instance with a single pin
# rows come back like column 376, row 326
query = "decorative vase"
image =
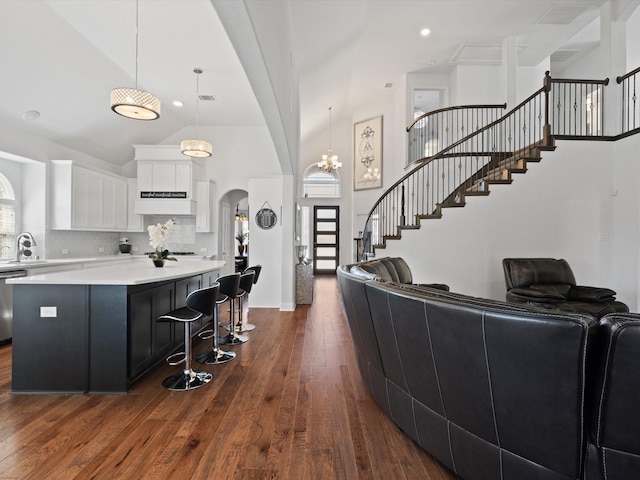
column 240, row 249
column 158, row 263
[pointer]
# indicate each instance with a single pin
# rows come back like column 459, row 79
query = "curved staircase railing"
column 434, row 131
column 490, row 155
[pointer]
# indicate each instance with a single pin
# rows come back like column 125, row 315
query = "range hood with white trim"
column 166, row 181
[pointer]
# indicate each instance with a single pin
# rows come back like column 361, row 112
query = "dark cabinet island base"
column 102, row 337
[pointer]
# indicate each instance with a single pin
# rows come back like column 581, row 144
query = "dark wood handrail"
column 443, row 152
column 590, row 82
column 627, row 75
column 446, row 109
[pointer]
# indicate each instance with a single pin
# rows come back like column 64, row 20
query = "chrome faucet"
column 24, row 242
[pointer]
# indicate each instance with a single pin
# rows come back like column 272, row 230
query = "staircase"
column 470, row 164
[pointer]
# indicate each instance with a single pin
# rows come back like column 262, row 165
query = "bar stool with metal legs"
column 229, row 287
column 246, row 282
column 200, row 303
column 232, row 338
column 247, row 327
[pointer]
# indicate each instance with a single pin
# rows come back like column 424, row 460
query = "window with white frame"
column 7, row 218
column 318, row 183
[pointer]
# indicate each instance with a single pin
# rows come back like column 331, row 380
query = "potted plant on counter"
column 158, row 235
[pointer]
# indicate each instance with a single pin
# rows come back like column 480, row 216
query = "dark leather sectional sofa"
column 496, row 390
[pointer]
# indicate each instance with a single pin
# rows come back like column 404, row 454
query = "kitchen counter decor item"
column 158, row 235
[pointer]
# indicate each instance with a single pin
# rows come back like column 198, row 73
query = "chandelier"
column 134, row 103
column 193, row 147
column 240, row 216
column 329, row 160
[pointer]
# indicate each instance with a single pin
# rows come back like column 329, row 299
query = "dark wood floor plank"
column 291, row 406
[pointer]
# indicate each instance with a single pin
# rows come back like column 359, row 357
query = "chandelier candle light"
column 329, row 160
column 158, row 235
column 134, row 103
column 194, row 147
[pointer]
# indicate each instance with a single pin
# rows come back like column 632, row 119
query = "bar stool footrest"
column 173, row 362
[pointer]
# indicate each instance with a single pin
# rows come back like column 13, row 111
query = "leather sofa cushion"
column 561, row 289
column 524, row 272
column 533, row 295
column 356, row 270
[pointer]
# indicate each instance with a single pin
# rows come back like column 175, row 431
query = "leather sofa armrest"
column 591, row 294
column 534, row 295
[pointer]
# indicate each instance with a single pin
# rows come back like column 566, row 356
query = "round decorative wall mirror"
column 266, row 218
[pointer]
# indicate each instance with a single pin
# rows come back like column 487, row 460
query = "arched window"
column 318, row 183
column 7, row 218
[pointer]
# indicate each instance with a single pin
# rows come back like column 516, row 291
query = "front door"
column 326, row 244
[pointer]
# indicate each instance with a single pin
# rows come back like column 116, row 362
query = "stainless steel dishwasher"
column 6, row 304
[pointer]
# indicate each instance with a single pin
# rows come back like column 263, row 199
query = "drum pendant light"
column 194, row 147
column 134, row 103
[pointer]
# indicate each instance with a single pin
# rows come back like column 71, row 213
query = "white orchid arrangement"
column 158, row 235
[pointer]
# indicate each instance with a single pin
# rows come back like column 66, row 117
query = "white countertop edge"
column 136, row 273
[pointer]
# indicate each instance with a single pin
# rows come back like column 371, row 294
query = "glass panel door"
column 326, row 245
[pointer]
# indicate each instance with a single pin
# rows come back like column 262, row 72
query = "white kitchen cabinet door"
column 84, row 199
column 135, row 222
column 114, row 203
column 205, row 208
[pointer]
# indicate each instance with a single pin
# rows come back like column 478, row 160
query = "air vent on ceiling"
column 206, row 98
column 562, row 14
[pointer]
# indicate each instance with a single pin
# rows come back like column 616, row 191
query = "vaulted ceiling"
column 61, row 58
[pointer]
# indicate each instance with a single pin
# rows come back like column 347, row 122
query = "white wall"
column 562, row 207
column 266, row 245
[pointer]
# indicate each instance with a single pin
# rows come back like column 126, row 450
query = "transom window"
column 7, row 218
column 318, row 183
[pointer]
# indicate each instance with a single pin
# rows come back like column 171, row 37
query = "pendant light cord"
column 197, row 71
column 329, row 128
column 136, row 44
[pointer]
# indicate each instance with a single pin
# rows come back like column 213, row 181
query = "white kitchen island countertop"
column 133, row 273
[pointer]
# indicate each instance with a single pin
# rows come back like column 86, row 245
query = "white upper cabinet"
column 86, row 199
column 205, row 209
column 135, row 222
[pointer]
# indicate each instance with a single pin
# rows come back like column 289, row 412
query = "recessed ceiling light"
column 177, row 103
column 424, row 32
column 31, row 115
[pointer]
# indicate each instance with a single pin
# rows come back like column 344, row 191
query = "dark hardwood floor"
column 290, row 406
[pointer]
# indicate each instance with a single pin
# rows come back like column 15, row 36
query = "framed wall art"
column 367, row 154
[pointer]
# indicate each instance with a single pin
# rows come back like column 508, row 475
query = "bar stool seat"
column 229, row 286
column 200, row 303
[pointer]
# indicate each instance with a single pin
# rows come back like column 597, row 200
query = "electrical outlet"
column 65, row 251
column 48, row 312
column 101, row 250
column 134, row 249
column 203, row 250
